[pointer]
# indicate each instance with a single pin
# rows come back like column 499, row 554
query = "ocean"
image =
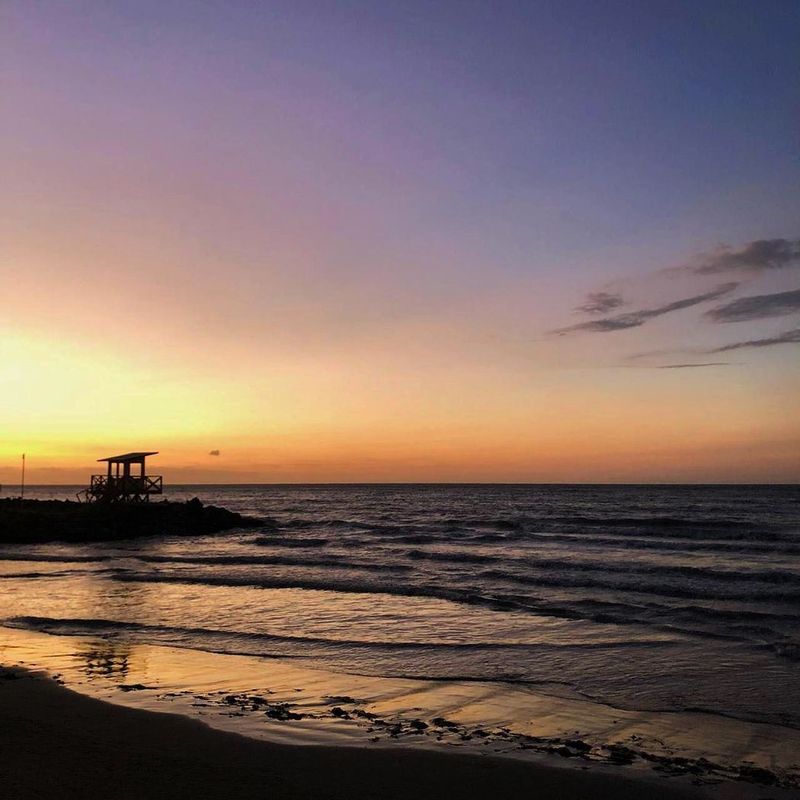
column 637, row 598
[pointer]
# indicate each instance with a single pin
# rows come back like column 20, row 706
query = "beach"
column 57, row 743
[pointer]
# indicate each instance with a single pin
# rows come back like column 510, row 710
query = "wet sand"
column 56, row 743
column 287, row 704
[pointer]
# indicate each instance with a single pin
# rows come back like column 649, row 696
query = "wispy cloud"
column 693, row 366
column 681, row 365
column 600, row 303
column 787, row 337
column 759, row 306
column 755, row 256
column 634, row 319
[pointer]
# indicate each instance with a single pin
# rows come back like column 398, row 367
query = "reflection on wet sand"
column 109, row 660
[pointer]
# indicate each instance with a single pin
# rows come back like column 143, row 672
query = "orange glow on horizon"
column 66, row 405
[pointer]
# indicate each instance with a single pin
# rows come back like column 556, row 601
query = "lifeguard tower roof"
column 127, row 458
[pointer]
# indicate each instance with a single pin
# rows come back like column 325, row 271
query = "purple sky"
column 295, row 229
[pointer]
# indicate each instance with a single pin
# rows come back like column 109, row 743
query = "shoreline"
column 58, row 743
column 281, row 703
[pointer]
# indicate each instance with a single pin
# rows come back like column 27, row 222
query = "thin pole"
column 22, row 488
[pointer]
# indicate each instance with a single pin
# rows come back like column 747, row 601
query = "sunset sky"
column 401, row 241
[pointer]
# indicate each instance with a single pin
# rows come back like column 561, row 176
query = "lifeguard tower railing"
column 118, row 485
column 130, row 489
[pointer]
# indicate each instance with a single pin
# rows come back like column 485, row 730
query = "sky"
column 401, row 241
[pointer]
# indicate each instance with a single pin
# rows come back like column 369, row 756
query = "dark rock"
column 281, row 712
column 61, row 520
column 579, row 745
column 749, row 772
column 619, row 754
column 709, row 765
column 668, row 768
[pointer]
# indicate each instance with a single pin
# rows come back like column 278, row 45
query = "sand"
column 55, row 743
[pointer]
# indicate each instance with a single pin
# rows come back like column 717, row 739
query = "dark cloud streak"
column 759, row 306
column 634, row 319
column 600, row 303
column 787, row 337
column 756, row 256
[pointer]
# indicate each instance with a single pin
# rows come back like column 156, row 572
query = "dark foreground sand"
column 55, row 743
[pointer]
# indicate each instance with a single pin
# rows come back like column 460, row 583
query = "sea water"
column 652, row 598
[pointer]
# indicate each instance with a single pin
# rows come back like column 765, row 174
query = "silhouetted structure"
column 114, row 487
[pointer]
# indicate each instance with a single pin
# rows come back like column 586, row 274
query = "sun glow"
column 62, row 399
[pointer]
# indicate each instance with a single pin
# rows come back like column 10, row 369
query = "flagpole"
column 22, row 488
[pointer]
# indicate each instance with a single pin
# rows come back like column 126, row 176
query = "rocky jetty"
column 36, row 521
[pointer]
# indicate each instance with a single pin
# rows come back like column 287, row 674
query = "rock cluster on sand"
column 35, row 521
column 384, row 728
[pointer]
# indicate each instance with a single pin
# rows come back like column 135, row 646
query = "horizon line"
column 456, row 483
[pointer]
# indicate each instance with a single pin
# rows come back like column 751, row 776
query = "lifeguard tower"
column 118, row 485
